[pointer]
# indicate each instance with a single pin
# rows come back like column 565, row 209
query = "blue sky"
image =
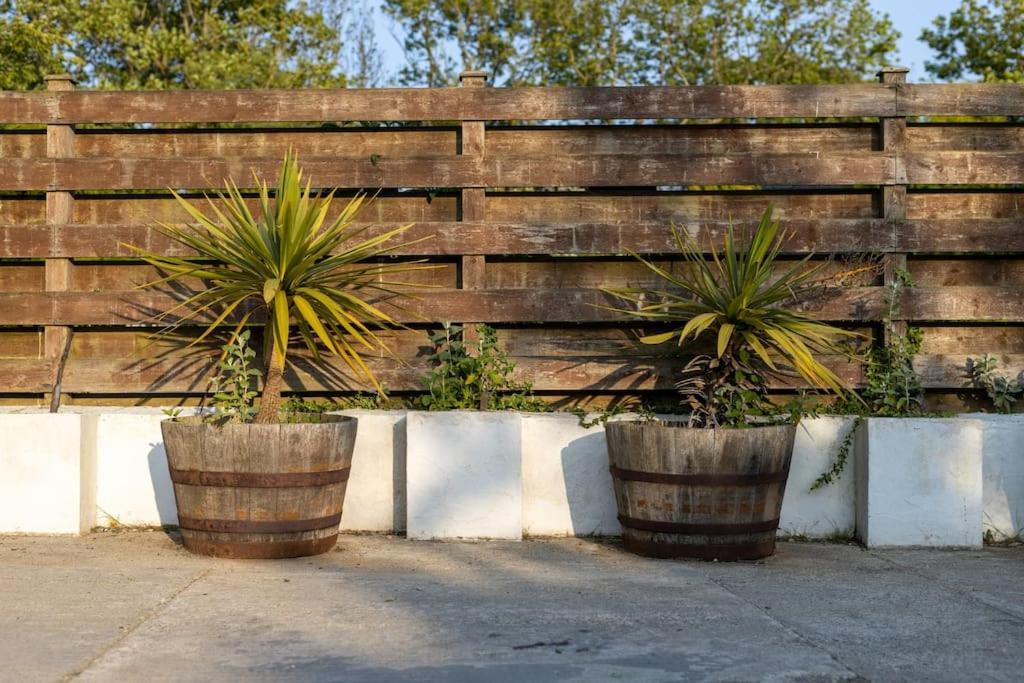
column 909, row 17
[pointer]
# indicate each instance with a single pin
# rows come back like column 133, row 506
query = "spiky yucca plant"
column 290, row 262
column 740, row 297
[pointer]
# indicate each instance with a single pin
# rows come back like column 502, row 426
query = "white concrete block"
column 567, row 489
column 375, row 496
column 830, row 510
column 133, row 484
column 44, row 474
column 1003, row 474
column 464, row 475
column 919, row 482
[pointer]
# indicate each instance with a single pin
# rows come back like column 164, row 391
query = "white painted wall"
column 464, row 475
column 375, row 495
column 567, row 488
column 830, row 510
column 496, row 475
column 44, row 478
column 919, row 482
column 1003, row 474
column 133, row 485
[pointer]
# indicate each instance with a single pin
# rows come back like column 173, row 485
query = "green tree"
column 444, row 37
column 601, row 42
column 157, row 44
column 983, row 40
column 692, row 42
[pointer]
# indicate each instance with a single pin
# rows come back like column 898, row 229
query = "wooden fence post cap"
column 473, row 77
column 59, row 81
column 893, row 74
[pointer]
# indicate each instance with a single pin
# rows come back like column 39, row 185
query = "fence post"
column 471, row 206
column 60, row 143
column 894, row 198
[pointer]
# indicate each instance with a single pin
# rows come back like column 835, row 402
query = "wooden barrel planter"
column 259, row 491
column 712, row 494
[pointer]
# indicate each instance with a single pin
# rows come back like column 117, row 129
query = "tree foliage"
column 983, row 40
column 602, row 42
column 158, row 44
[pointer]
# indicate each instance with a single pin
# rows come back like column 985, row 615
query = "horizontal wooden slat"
column 456, row 104
column 627, row 206
column 25, row 375
column 493, row 305
column 993, row 304
column 835, row 236
column 982, row 137
column 454, row 238
column 950, row 371
column 965, row 303
column 961, row 99
column 965, row 168
column 22, row 144
column 839, row 169
column 398, row 207
column 975, row 204
column 242, row 142
column 681, row 139
column 589, row 374
column 546, row 374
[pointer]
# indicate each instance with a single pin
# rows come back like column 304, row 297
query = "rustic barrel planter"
column 259, row 490
column 713, row 494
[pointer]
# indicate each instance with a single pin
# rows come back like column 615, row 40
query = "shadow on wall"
column 163, row 489
column 589, row 492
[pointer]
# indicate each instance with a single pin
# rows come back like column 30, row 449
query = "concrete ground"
column 136, row 607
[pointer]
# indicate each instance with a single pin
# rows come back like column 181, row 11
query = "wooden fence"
column 533, row 196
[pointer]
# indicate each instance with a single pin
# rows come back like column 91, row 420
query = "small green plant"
column 476, row 374
column 643, row 411
column 1003, row 391
column 316, row 281
column 892, row 385
column 234, row 387
column 842, row 457
column 744, row 298
column 172, row 413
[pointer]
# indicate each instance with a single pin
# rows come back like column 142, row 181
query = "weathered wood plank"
column 961, row 99
column 963, row 303
column 17, row 144
column 801, row 169
column 681, row 139
column 630, row 205
column 119, row 376
column 456, row 104
column 242, row 142
column 978, row 339
column 502, row 238
column 580, row 374
column 946, row 272
column 979, row 137
column 967, row 204
column 492, row 305
column 398, row 208
column 965, row 168
column 25, row 375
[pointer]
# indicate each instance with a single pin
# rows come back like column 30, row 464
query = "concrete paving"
column 134, row 606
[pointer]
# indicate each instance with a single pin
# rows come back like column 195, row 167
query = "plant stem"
column 273, row 380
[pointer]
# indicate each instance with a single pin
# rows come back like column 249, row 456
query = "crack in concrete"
column 806, row 640
column 143, row 618
column 980, row 598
